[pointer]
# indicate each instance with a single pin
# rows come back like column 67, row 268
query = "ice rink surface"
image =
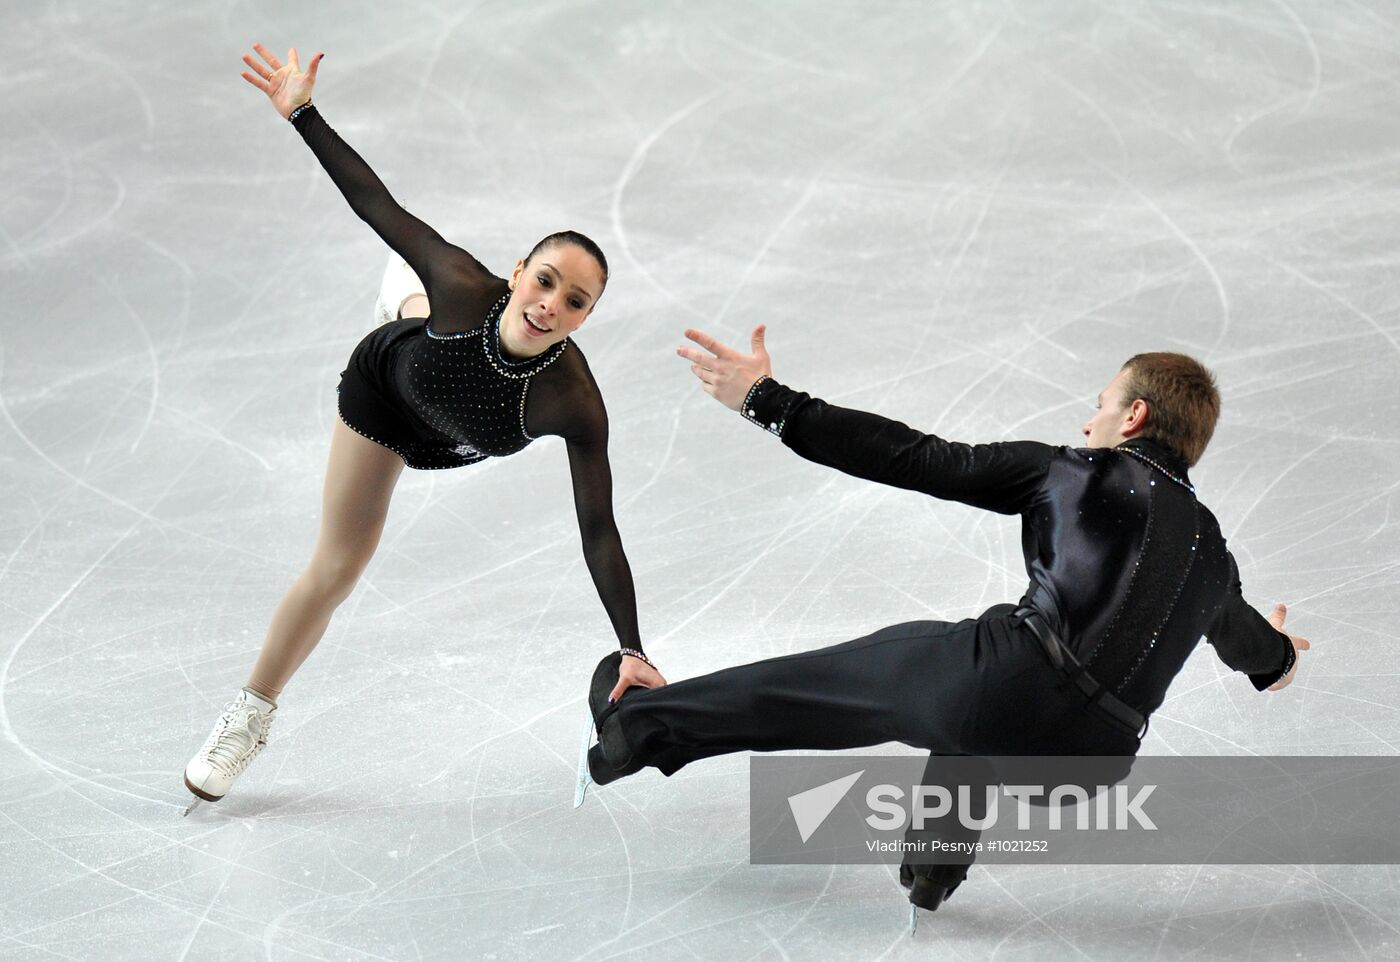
column 963, row 215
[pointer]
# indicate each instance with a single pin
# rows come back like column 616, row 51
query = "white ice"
column 962, row 215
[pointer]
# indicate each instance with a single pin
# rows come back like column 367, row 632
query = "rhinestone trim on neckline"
column 528, row 367
column 1153, row 464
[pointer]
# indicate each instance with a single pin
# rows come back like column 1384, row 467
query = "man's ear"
column 1136, row 420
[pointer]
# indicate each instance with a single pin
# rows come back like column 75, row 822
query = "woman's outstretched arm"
column 289, row 88
column 573, row 409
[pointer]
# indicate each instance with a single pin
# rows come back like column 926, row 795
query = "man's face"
column 1105, row 428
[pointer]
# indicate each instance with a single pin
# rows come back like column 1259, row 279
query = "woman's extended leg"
column 360, row 479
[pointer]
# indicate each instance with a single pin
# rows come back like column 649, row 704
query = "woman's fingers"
column 257, row 68
column 263, row 52
column 643, row 675
column 311, row 71
column 258, row 82
column 704, row 374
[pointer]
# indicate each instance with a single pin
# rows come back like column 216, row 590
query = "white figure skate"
column 238, row 736
column 398, row 285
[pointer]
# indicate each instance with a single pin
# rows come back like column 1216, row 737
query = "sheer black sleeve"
column 1245, row 641
column 458, row 287
column 1002, row 477
column 565, row 401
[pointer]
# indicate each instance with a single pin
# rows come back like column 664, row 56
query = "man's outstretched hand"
column 1300, row 645
column 724, row 373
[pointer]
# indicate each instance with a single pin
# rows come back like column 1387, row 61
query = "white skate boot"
column 398, row 285
column 238, row 736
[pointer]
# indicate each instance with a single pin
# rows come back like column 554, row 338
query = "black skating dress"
column 440, row 393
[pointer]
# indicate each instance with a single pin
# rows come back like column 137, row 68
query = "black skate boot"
column 599, row 763
column 929, row 887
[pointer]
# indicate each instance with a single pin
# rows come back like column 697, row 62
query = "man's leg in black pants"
column 928, row 871
column 916, row 683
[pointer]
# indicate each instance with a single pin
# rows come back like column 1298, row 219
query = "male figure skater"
column 1127, row 571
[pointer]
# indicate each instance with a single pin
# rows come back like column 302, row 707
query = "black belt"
column 1118, row 711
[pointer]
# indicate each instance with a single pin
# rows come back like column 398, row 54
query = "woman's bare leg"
column 360, row 479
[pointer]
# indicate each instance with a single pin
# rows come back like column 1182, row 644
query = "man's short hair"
column 1182, row 401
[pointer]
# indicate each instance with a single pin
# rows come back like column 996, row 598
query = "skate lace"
column 236, row 739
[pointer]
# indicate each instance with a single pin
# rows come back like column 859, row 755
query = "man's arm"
column 1247, row 641
column 999, row 477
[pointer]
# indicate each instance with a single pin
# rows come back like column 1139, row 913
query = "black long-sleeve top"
column 1125, row 564
column 562, row 399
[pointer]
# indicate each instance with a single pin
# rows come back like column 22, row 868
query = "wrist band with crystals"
column 1290, row 659
column 750, row 413
column 638, row 654
column 298, row 112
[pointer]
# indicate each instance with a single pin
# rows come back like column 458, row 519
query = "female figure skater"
column 489, row 371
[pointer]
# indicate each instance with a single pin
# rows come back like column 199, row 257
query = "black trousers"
column 982, row 686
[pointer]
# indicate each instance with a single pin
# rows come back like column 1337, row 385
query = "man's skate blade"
column 582, row 778
column 913, row 920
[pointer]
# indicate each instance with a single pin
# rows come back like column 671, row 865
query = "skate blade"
column 582, row 779
column 913, row 920
column 194, row 802
column 199, row 796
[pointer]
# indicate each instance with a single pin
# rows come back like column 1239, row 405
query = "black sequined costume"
column 440, row 400
column 1127, row 571
column 440, row 392
column 1127, row 568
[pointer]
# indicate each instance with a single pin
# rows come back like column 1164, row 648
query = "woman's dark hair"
column 578, row 240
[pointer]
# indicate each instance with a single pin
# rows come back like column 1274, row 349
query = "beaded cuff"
column 1263, row 679
column 1289, row 661
column 297, row 112
column 638, row 654
column 750, row 413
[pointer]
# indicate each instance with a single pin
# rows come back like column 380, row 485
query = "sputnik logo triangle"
column 810, row 808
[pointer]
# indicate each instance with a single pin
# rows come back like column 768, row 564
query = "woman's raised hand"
column 284, row 83
column 724, row 373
